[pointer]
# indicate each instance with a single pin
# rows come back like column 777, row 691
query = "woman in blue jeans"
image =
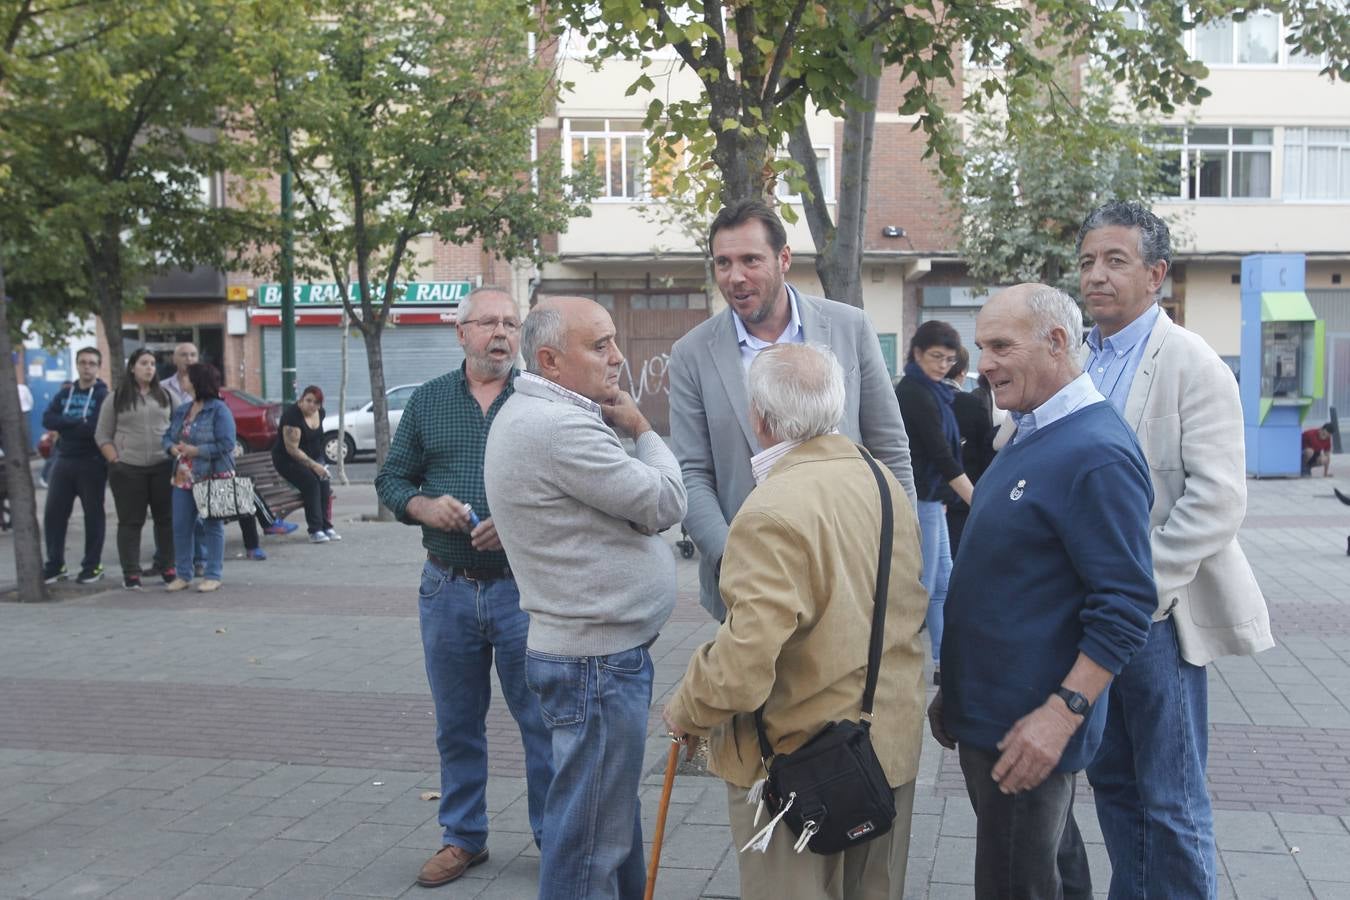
column 201, row 440
column 935, row 453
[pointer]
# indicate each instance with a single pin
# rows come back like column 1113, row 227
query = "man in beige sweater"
column 798, row 580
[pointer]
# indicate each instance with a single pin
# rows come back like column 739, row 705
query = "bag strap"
column 882, row 585
column 878, row 608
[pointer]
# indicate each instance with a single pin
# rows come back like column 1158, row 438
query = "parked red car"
column 255, row 420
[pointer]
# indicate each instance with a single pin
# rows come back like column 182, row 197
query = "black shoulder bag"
column 831, row 791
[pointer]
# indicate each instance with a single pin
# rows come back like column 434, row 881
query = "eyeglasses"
column 948, row 359
column 511, row 325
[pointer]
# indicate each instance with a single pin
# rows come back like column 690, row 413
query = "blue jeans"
column 464, row 623
column 1149, row 776
column 191, row 540
column 937, row 567
column 596, row 707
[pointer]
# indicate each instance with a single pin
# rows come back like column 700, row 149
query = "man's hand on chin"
column 622, row 414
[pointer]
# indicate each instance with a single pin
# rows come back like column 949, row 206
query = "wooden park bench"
column 279, row 494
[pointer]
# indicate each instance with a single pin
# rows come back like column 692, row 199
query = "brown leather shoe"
column 447, row 865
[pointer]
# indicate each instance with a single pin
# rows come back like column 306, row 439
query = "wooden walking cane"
column 672, row 763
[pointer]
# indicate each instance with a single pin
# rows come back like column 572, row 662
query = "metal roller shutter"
column 1333, row 307
column 412, row 354
column 960, row 318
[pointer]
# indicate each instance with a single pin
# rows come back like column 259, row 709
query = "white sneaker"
column 318, row 537
column 333, row 535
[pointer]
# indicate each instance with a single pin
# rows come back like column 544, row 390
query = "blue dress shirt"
column 1070, row 398
column 1112, row 361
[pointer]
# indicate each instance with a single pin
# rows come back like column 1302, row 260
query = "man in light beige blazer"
column 1182, row 401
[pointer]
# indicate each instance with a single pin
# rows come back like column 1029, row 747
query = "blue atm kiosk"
column 1282, row 361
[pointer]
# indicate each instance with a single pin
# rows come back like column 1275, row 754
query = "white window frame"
column 781, row 189
column 1297, row 143
column 1283, row 57
column 608, row 135
column 1189, row 151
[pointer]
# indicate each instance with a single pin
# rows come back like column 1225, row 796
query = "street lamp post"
column 287, row 276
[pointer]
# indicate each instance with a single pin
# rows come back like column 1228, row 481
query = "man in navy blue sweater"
column 1050, row 596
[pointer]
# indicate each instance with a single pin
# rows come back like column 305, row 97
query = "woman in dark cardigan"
column 935, row 453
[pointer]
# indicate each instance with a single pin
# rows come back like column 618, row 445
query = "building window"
column 824, row 168
column 668, row 301
column 617, row 150
column 1258, row 40
column 1317, row 164
column 1220, row 163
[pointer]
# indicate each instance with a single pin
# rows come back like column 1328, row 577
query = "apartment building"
column 650, row 273
column 1262, row 166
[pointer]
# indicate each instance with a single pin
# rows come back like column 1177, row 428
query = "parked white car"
column 360, row 425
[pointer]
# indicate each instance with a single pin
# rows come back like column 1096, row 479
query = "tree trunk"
column 379, row 403
column 741, row 161
column 106, row 274
column 16, row 472
column 839, row 246
column 110, row 311
column 342, row 400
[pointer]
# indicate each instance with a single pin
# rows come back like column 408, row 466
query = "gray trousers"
column 873, row 871
column 1017, row 836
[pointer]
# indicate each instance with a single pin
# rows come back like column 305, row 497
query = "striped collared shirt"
column 562, row 393
column 762, row 462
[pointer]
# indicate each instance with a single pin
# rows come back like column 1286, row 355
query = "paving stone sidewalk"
column 273, row 740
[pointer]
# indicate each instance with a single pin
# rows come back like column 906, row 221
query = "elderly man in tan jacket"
column 797, row 580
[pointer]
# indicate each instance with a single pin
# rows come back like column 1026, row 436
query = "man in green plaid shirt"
column 469, row 606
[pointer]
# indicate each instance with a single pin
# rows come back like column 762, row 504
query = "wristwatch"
column 1076, row 702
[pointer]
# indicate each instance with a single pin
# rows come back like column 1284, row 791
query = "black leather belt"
column 493, row 574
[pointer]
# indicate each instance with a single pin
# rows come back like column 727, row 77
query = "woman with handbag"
column 201, row 438
column 130, row 435
column 297, row 456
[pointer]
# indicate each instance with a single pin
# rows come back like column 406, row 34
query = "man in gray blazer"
column 1182, row 401
column 709, row 412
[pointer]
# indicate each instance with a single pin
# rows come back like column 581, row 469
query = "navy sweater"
column 1054, row 560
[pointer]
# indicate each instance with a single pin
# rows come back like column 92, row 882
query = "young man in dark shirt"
column 79, row 471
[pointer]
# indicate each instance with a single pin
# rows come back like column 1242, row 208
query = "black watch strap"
column 1076, row 702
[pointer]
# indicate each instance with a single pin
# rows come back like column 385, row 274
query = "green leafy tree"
column 1034, row 172
column 36, row 40
column 759, row 62
column 133, row 177
column 408, row 118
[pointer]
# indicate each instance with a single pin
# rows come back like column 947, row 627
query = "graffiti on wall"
column 653, row 377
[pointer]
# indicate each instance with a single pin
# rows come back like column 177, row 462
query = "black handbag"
column 832, row 791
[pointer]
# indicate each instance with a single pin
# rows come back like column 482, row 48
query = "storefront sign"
column 425, row 293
